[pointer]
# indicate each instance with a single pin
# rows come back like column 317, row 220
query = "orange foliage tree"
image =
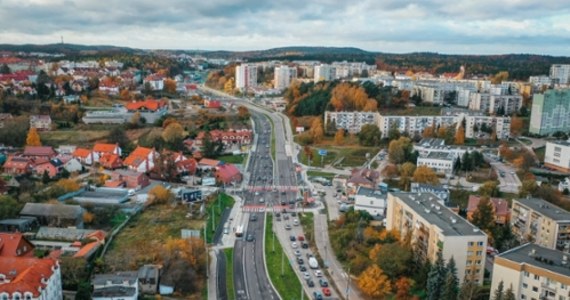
column 516, row 126
column 349, row 97
column 390, row 171
column 33, row 138
column 339, row 137
column 374, row 283
column 68, row 185
column 317, row 131
column 425, row 174
column 170, row 86
column 460, row 136
column 403, row 286
column 159, row 195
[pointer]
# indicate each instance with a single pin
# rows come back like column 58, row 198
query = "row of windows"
column 471, row 244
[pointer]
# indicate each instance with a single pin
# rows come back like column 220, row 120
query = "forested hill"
column 519, row 66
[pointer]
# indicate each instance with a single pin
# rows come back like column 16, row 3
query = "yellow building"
column 434, row 227
column 541, row 222
column 533, row 272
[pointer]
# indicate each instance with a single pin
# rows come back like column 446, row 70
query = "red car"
column 301, row 238
column 327, row 292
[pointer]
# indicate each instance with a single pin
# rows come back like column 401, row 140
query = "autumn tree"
column 390, row 171
column 170, row 86
column 407, row 170
column 174, row 132
column 460, row 136
column 425, row 174
column 399, row 150
column 339, row 137
column 369, row 135
column 393, row 259
column 33, row 138
column 483, row 216
column 126, row 95
column 88, row 217
column 374, row 283
column 516, row 126
column 500, row 77
column 243, row 113
column 403, row 289
column 489, row 188
column 527, row 188
column 441, row 132
column 159, row 195
column 229, row 86
column 317, row 130
column 68, row 185
column 429, row 132
column 350, row 97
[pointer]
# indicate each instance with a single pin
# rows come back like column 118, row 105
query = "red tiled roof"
column 139, row 155
column 10, row 243
column 500, row 205
column 86, row 250
column 109, row 159
column 81, row 152
column 17, row 162
column 105, row 148
column 209, row 162
column 227, row 172
column 99, row 235
column 38, row 151
column 148, row 104
column 26, row 274
column 114, row 183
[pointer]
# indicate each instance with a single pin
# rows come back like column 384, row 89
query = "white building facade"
column 246, row 76
column 284, row 76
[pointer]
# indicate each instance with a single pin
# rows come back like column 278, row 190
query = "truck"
column 239, row 231
column 313, row 263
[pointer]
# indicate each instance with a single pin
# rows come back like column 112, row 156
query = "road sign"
column 322, row 152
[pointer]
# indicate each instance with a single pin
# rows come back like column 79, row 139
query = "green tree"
column 466, row 162
column 369, row 135
column 394, row 259
column 45, row 177
column 451, row 284
column 4, row 69
column 436, row 278
column 509, row 294
column 394, row 133
column 483, row 216
column 9, row 207
column 527, row 188
column 400, row 150
column 499, row 293
column 489, row 188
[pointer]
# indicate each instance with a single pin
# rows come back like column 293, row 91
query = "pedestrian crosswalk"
column 279, row 188
column 263, row 208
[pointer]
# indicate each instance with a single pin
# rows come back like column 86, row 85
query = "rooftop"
column 52, row 210
column 537, row 256
column 439, row 155
column 364, row 191
column 114, row 291
column 432, row 142
column 115, row 279
column 561, row 143
column 545, row 208
column 429, row 207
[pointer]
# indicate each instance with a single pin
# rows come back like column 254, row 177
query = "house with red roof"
column 40, row 122
column 101, row 149
column 15, row 245
column 85, row 156
column 17, row 165
column 228, row 137
column 148, row 105
column 187, row 166
column 215, row 104
column 501, row 210
column 111, row 161
column 128, row 179
column 208, row 163
column 141, row 159
column 53, row 167
column 39, row 152
column 228, row 174
column 156, row 81
column 30, row 278
column 362, row 177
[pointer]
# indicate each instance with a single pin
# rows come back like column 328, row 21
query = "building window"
column 524, row 285
column 523, row 297
column 471, row 244
column 526, row 274
column 469, row 253
column 469, row 262
column 479, row 253
column 563, row 286
column 536, row 277
column 480, row 244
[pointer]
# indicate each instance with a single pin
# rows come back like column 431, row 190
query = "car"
column 257, row 193
column 278, row 214
column 326, row 292
column 512, row 173
column 306, row 275
column 297, row 253
column 318, row 295
column 318, row 273
column 285, row 217
column 278, row 219
column 261, row 200
column 302, row 268
column 253, row 218
column 300, row 261
column 310, row 283
column 250, row 238
column 296, row 222
column 294, row 245
column 283, row 202
column 287, row 227
column 309, row 255
column 292, row 238
column 305, row 245
column 294, row 214
column 323, row 283
column 301, row 238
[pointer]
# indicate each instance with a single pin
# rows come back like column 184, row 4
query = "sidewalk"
column 212, row 279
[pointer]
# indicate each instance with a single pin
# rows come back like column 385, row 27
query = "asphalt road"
column 222, row 292
column 509, row 182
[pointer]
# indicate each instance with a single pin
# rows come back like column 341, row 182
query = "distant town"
column 179, row 175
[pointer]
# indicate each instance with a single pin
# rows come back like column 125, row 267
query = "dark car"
column 305, row 246
column 318, row 295
column 292, row 238
column 302, row 268
column 253, row 218
column 310, row 283
column 300, row 261
column 323, row 283
column 250, row 238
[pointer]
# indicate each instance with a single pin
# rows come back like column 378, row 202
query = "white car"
column 296, row 222
column 318, row 273
column 294, row 245
column 261, row 200
column 306, row 275
column 297, row 253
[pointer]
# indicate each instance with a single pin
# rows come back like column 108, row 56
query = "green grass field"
column 217, row 206
column 232, row 159
column 353, row 156
column 83, row 138
column 288, row 284
column 312, row 173
column 230, row 273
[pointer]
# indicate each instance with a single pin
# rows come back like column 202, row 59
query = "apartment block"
column 324, row 72
column 505, row 104
column 433, row 228
column 283, row 77
column 560, row 74
column 550, row 112
column 502, row 125
column 414, row 125
column 541, row 222
column 533, row 272
column 557, row 156
column 440, row 161
column 479, row 101
column 352, row 121
column 246, row 76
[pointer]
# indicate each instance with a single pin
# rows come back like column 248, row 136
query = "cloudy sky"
column 445, row 26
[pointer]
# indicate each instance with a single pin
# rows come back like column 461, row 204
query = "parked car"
column 305, row 245
column 318, row 295
column 323, row 283
column 327, row 292
column 300, row 238
column 250, row 238
column 302, row 268
column 294, row 245
column 292, row 238
column 287, row 227
column 306, row 275
column 310, row 283
column 297, row 253
column 318, row 273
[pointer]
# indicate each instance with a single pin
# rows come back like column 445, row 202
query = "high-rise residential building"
column 501, row 125
column 324, row 72
column 433, row 227
column 505, row 104
column 479, row 101
column 284, row 76
column 560, row 74
column 557, row 156
column 351, row 121
column 536, row 220
column 550, row 112
column 246, row 76
column 533, row 272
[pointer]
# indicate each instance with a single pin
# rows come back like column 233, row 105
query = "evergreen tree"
column 45, row 177
column 451, row 284
column 457, row 165
column 466, row 162
column 509, row 294
column 483, row 217
column 499, row 295
column 436, row 278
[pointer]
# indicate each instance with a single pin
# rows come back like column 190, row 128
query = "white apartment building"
column 502, row 125
column 510, row 104
column 30, row 278
column 429, row 93
column 370, row 200
column 463, row 97
column 283, row 77
column 557, row 156
column 441, row 162
column 352, row 121
column 121, row 285
column 324, row 72
column 246, row 76
column 346, row 69
column 433, row 228
column 479, row 101
column 414, row 125
column 560, row 74
column 540, row 81
column 533, row 272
